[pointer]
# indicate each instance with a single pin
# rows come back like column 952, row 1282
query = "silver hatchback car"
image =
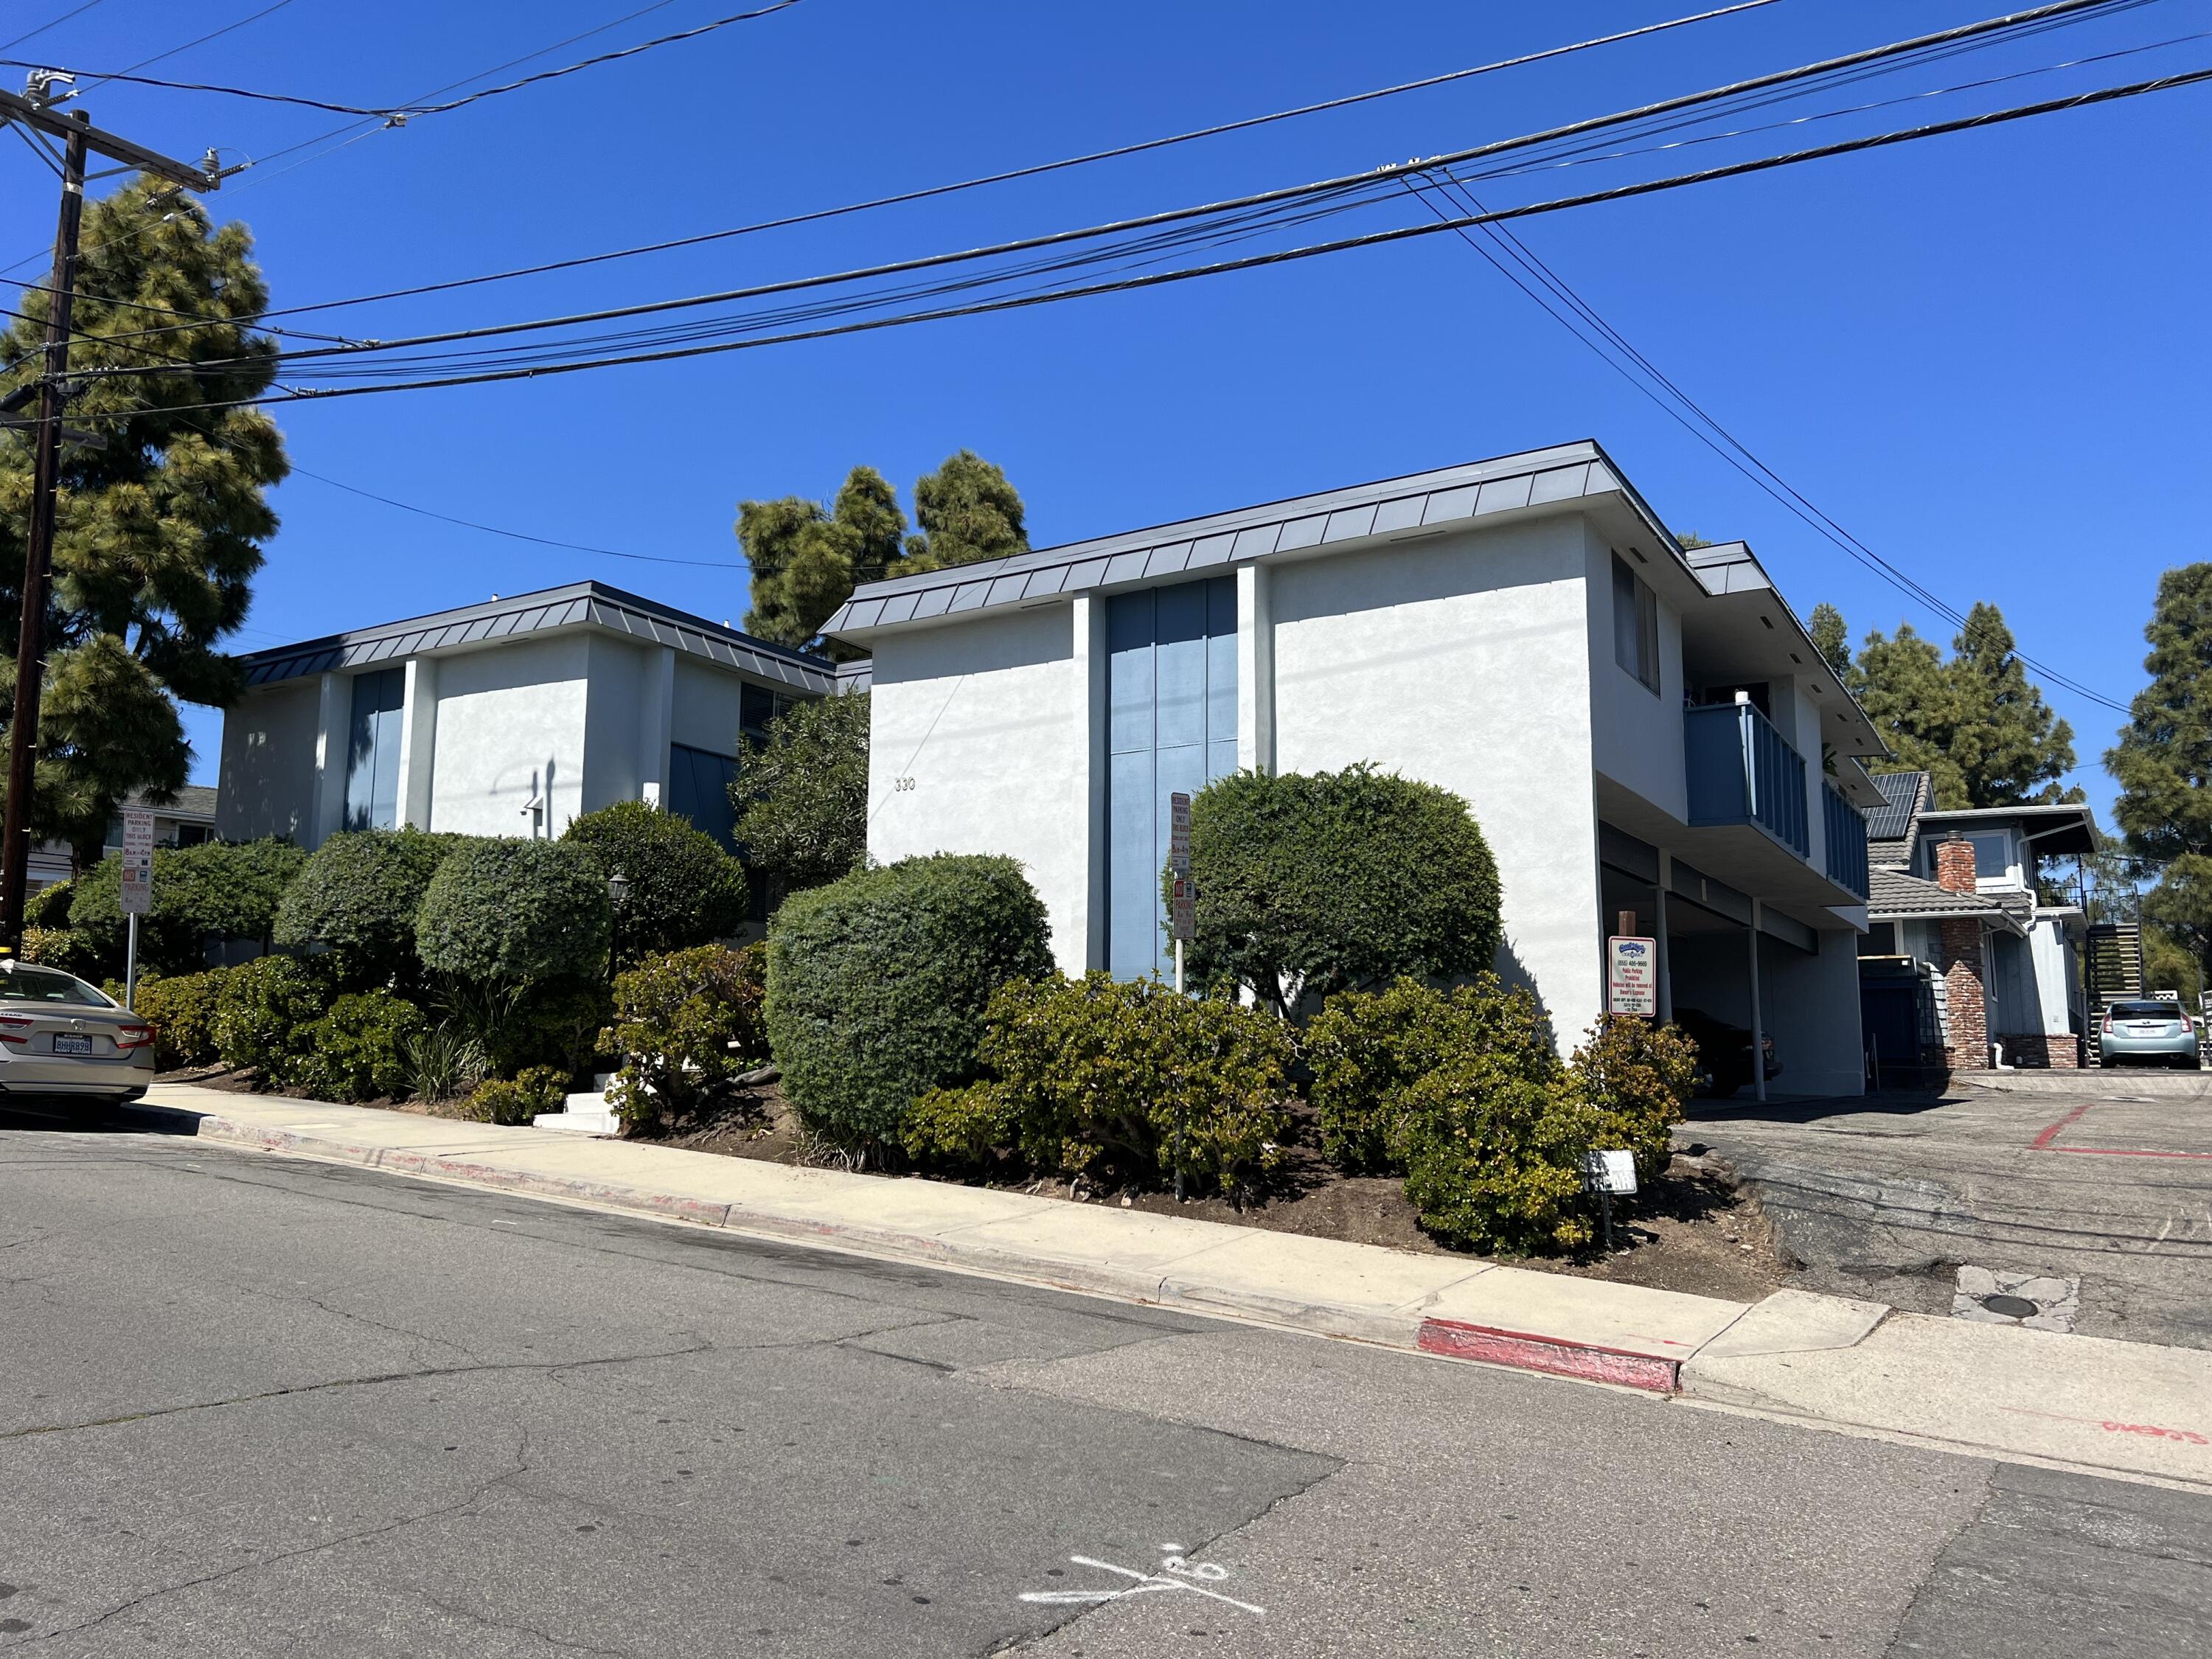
column 59, row 1036
column 2150, row 1032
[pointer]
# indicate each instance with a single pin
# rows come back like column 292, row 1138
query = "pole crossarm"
column 48, row 119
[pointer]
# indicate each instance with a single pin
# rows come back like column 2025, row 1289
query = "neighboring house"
column 1955, row 922
column 510, row 718
column 185, row 821
column 1636, row 728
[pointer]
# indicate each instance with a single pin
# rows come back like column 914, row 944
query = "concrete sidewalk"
column 2112, row 1406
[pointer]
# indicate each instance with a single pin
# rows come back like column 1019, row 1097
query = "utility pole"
column 37, row 112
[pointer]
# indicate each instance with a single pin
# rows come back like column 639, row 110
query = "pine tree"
column 158, row 534
column 2163, row 762
column 1976, row 723
column 1832, row 639
column 807, row 559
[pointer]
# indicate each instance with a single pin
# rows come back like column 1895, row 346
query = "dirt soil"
column 1692, row 1230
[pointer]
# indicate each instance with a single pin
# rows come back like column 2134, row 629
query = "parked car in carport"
column 61, row 1036
column 2150, row 1032
column 1724, row 1051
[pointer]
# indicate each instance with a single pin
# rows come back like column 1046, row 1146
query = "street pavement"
column 2103, row 1176
column 250, row 1405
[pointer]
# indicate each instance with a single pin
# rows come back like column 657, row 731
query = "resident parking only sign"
column 137, row 890
column 1632, row 975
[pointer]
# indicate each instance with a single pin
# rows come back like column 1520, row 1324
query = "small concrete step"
column 584, row 1113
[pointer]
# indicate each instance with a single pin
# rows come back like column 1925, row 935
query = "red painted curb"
column 1541, row 1353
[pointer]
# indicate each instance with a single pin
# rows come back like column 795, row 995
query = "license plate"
column 66, row 1044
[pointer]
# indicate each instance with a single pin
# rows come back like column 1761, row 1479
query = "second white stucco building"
column 1635, row 727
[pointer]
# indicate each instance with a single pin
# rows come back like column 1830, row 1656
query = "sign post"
column 1605, row 1173
column 1632, row 975
column 138, row 889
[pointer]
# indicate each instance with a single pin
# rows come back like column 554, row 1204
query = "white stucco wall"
column 986, row 718
column 1463, row 660
column 1810, row 1005
column 1636, row 733
column 267, row 773
column 707, row 707
column 511, row 725
column 2052, row 965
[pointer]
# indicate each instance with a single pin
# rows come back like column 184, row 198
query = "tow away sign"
column 1632, row 975
column 137, row 885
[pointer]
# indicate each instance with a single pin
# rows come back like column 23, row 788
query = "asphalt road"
column 253, row 1406
column 2104, row 1176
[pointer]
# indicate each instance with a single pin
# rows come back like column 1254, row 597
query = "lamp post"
column 617, row 890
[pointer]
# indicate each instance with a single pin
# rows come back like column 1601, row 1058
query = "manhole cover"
column 2012, row 1307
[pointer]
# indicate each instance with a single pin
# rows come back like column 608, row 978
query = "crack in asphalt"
column 545, row 1366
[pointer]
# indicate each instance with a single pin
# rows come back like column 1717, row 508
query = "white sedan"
column 59, row 1036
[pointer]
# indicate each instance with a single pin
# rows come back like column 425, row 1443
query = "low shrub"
column 48, row 907
column 1636, row 1075
column 1365, row 1050
column 1118, row 1083
column 59, row 947
column 182, row 1011
column 357, row 894
column 517, row 1100
column 1493, row 1157
column 264, row 1010
column 358, row 1049
column 878, row 984
column 443, row 1062
column 214, row 892
column 686, row 1024
column 501, row 912
column 684, row 889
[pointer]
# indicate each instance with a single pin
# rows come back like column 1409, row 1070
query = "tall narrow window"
column 1171, row 727
column 699, row 789
column 1635, row 624
column 373, row 750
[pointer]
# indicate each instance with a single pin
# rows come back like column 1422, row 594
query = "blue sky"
column 1984, row 354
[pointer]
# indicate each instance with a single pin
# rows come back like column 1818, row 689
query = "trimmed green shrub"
column 1636, row 1075
column 358, row 1050
column 1118, row 1083
column 499, row 1100
column 502, row 912
column 1364, row 1049
column 49, row 907
column 358, row 894
column 1308, row 884
column 1493, row 1157
column 264, row 1010
column 686, row 1024
column 59, row 947
column 683, row 888
column 215, row 890
column 878, row 982
column 182, row 1011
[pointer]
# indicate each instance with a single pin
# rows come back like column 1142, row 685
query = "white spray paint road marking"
column 1175, row 1574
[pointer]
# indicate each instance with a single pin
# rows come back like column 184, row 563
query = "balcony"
column 1742, row 771
column 1844, row 835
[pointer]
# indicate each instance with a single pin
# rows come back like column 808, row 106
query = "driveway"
column 2100, row 1176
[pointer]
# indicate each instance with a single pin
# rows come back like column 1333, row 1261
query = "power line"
column 1730, row 447
column 213, row 34
column 1368, row 181
column 2079, row 100
column 10, row 46
column 401, row 113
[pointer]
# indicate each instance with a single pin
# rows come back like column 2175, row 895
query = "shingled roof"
column 1893, row 895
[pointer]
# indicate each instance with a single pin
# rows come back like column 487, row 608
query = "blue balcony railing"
column 1844, row 833
column 1742, row 770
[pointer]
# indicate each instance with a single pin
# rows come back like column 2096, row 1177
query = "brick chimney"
column 1954, row 864
column 1962, row 963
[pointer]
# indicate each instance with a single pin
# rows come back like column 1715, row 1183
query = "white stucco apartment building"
column 1636, row 727
column 508, row 718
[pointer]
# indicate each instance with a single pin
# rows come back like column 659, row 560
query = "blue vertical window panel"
column 1172, row 692
column 1132, row 901
column 373, row 750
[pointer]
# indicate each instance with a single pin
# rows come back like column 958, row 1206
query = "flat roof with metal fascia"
column 578, row 605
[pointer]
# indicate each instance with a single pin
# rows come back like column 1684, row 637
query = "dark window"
column 191, row 835
column 25, row 983
column 756, row 708
column 1878, row 940
column 699, row 789
column 1635, row 624
column 373, row 750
